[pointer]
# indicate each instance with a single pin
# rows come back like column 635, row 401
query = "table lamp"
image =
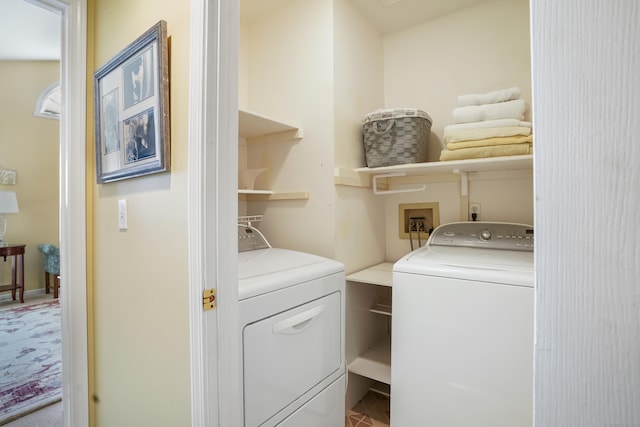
column 8, row 204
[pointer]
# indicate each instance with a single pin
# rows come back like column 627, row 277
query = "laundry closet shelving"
column 257, row 129
column 374, row 286
column 359, row 177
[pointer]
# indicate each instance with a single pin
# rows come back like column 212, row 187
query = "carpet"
column 30, row 358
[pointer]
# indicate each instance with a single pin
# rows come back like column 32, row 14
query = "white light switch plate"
column 122, row 214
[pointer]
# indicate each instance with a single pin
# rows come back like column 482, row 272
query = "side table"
column 17, row 269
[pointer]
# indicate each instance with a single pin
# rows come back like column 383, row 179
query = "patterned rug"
column 30, row 358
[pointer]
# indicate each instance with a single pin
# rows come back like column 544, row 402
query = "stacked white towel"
column 488, row 125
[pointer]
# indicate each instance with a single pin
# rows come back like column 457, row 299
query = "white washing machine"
column 293, row 335
column 462, row 331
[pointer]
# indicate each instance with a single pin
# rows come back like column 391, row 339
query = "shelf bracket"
column 464, row 182
column 391, row 175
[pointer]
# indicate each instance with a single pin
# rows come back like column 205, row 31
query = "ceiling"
column 28, row 32
column 387, row 16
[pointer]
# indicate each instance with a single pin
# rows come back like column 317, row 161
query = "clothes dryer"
column 462, row 331
column 291, row 308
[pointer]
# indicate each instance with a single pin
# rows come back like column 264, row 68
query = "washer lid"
column 470, row 263
column 266, row 270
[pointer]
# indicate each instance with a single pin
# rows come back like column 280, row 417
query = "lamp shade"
column 8, row 202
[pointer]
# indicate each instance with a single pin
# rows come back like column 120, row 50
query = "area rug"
column 30, row 358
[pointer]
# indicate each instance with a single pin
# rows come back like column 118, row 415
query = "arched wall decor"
column 48, row 103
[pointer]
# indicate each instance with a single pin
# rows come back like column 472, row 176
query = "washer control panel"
column 490, row 235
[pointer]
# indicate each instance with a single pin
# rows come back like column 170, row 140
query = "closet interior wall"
column 321, row 65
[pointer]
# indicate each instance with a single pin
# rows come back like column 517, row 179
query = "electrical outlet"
column 474, row 208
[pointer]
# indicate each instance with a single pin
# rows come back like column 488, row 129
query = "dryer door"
column 287, row 354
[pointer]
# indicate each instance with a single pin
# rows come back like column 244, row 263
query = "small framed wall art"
column 7, row 176
column 132, row 109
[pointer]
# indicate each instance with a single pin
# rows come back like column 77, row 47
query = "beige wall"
column 475, row 50
column 358, row 89
column 140, row 284
column 29, row 145
column 289, row 76
column 288, row 70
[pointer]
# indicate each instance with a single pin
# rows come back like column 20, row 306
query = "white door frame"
column 73, row 241
column 213, row 209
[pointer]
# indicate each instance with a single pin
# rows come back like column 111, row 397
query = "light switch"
column 122, row 214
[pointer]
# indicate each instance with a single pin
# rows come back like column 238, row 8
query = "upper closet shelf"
column 363, row 177
column 257, row 128
column 456, row 166
column 267, row 195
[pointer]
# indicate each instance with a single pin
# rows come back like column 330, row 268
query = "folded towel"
column 490, row 142
column 487, row 124
column 502, row 110
column 501, row 95
column 474, row 134
column 484, row 152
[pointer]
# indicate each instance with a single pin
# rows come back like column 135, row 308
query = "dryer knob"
column 485, row 234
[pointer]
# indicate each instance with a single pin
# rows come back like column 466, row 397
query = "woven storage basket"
column 396, row 136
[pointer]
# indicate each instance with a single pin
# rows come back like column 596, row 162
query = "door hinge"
column 209, row 299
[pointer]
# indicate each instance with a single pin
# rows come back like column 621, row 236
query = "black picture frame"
column 132, row 124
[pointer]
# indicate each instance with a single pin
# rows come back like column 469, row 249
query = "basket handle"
column 379, row 131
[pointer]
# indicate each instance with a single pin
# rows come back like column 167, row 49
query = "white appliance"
column 293, row 335
column 462, row 332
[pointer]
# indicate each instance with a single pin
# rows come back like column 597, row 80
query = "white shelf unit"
column 255, row 195
column 256, row 128
column 256, row 192
column 375, row 361
column 367, row 177
column 455, row 166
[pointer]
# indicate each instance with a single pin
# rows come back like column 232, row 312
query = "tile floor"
column 371, row 410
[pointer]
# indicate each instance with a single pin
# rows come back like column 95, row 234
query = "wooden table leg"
column 17, row 276
column 56, row 285
column 14, row 282
column 16, row 252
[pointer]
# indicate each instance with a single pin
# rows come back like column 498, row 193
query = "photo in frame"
column 132, row 109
